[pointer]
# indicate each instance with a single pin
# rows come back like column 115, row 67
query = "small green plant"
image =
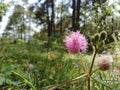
column 104, row 63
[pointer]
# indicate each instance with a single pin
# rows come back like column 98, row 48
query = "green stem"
column 91, row 68
column 68, row 82
column 88, row 82
column 92, row 62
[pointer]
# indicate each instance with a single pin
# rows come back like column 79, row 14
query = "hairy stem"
column 91, row 68
column 68, row 82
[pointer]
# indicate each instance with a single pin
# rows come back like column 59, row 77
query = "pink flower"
column 30, row 66
column 75, row 42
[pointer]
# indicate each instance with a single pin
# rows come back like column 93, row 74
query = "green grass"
column 50, row 68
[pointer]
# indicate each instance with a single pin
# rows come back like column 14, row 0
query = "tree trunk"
column 29, row 27
column 73, row 15
column 24, row 31
column 48, row 22
column 78, row 14
column 61, row 22
column 52, row 17
column 49, row 29
column 21, row 32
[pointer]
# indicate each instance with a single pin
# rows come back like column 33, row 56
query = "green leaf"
column 24, row 80
column 102, row 83
column 2, row 80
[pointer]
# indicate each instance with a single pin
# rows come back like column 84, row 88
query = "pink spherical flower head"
column 76, row 42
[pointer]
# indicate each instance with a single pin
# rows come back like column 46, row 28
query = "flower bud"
column 105, row 63
column 103, row 35
column 96, row 37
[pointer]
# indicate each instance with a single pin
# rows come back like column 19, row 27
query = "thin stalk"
column 89, row 82
column 68, row 82
column 71, row 81
column 92, row 62
column 91, row 68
